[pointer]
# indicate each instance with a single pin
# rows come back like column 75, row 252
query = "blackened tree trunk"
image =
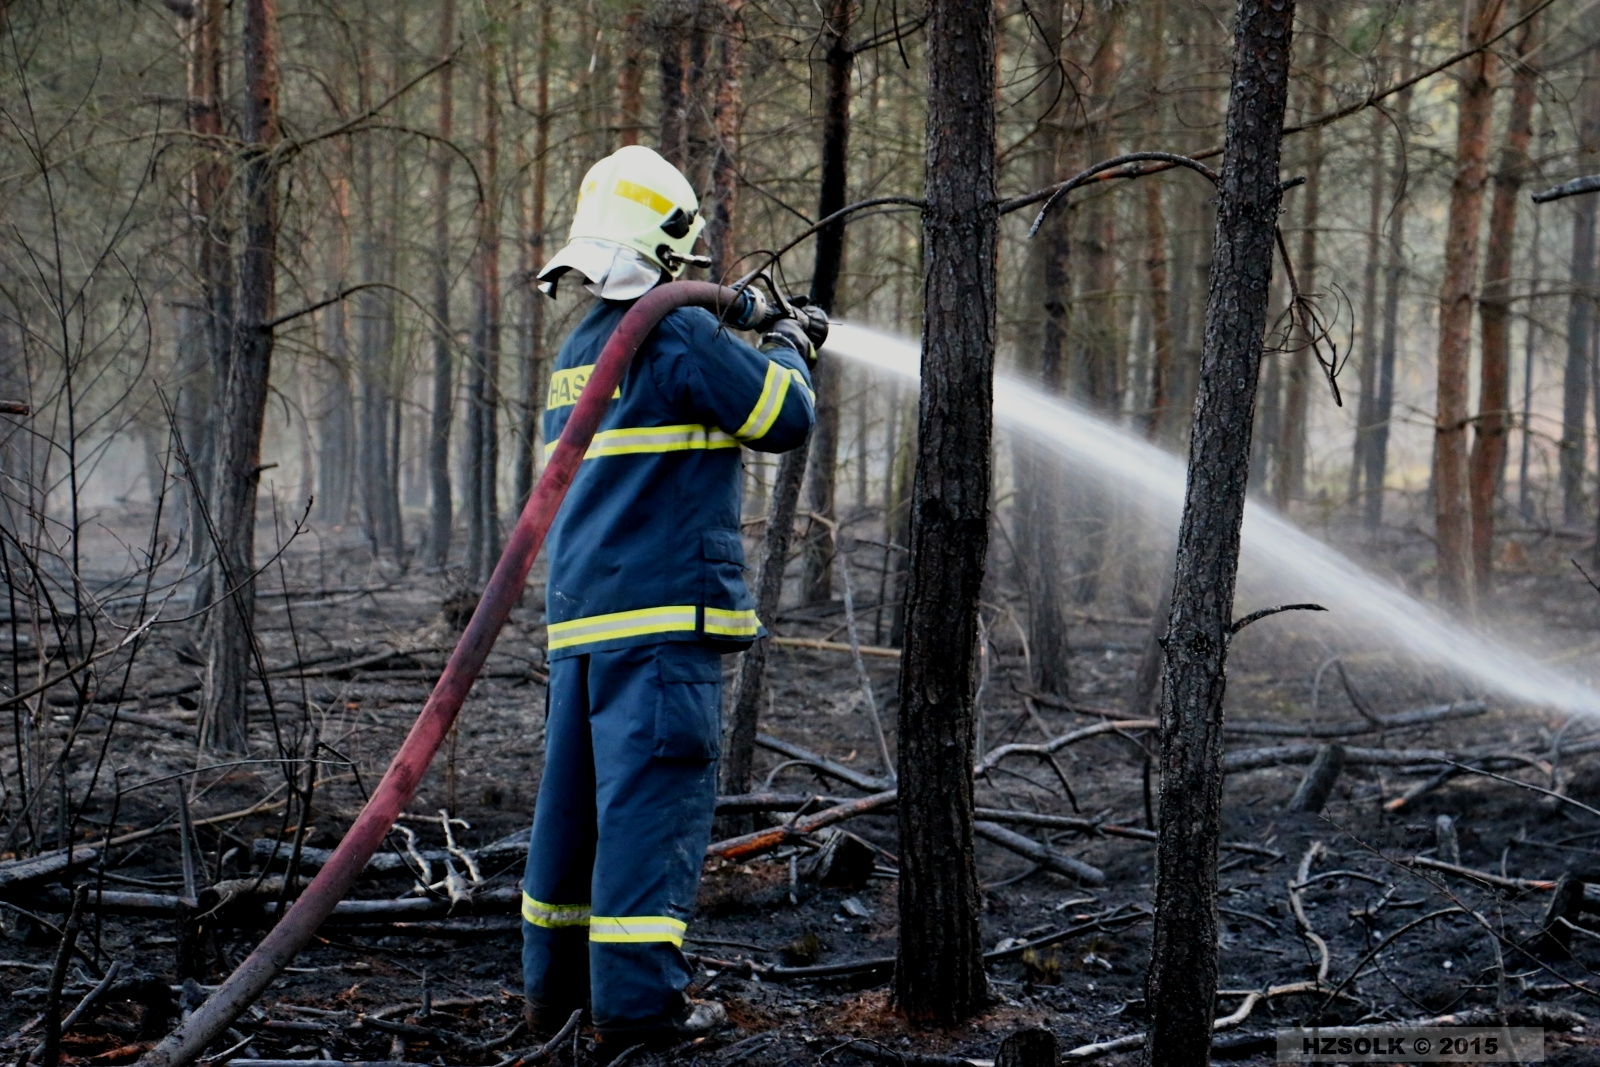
column 1181, row 986
column 1474, row 100
column 1375, row 456
column 483, row 379
column 336, row 406
column 199, row 405
column 244, row 395
column 1487, row 461
column 1581, row 307
column 1160, row 423
column 1373, row 269
column 1039, row 508
column 749, row 688
column 816, row 582
column 442, row 413
column 530, row 355
column 939, row 973
column 727, row 117
column 1289, row 478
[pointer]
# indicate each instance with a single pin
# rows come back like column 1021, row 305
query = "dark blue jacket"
column 646, row 547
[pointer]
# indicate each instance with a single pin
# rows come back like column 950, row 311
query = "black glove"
column 792, row 334
column 814, row 320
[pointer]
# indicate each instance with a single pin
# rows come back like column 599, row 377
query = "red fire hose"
column 399, row 783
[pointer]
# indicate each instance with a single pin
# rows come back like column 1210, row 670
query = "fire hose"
column 742, row 308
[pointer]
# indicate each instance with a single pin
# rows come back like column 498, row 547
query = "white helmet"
column 637, row 217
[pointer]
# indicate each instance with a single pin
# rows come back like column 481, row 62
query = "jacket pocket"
column 688, row 702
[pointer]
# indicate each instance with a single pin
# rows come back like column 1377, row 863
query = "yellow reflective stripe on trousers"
column 637, row 440
column 636, row 929
column 554, row 916
column 638, row 623
column 726, row 623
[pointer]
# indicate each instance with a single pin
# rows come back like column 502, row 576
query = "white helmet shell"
column 637, row 217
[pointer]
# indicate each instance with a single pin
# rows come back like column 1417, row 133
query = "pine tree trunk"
column 483, row 521
column 673, row 42
column 530, row 356
column 727, row 117
column 1161, row 420
column 244, row 396
column 1581, row 307
column 630, row 74
column 1488, row 457
column 1181, row 986
column 939, row 974
column 1039, row 519
column 1289, row 478
column 1376, row 455
column 337, row 405
column 1474, row 100
column 200, row 405
column 1368, row 371
column 816, row 582
column 442, row 407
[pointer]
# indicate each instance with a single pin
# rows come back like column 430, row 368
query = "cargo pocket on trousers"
column 689, row 702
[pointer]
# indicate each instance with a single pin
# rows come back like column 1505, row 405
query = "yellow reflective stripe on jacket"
column 554, row 916
column 635, row 929
column 726, row 623
column 638, row 623
column 566, row 386
column 639, row 440
column 768, row 405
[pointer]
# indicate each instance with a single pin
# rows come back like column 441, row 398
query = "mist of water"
column 1290, row 561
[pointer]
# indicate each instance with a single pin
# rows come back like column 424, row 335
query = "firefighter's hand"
column 815, row 322
column 792, row 334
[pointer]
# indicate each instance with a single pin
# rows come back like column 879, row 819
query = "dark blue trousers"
column 620, row 831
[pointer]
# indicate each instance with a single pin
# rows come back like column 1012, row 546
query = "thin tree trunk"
column 816, row 582
column 1376, row 455
column 483, row 536
column 1039, row 519
column 673, row 40
column 372, row 309
column 1580, row 308
column 1530, row 340
column 200, row 405
column 630, row 74
column 1373, row 268
column 442, row 413
column 244, row 396
column 337, row 405
column 939, row 974
column 1474, row 101
column 1487, row 461
column 1181, row 986
column 1161, row 422
column 727, row 120
column 1289, row 478
column 531, row 257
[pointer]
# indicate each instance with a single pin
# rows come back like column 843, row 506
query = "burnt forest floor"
column 1369, row 892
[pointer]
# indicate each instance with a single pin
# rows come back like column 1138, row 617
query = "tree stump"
column 1317, row 785
column 1028, row 1048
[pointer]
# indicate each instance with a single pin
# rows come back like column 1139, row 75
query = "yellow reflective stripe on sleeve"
column 800, row 380
column 637, row 929
column 726, row 623
column 648, row 197
column 554, row 916
column 768, row 405
column 639, row 440
column 566, row 386
column 638, row 623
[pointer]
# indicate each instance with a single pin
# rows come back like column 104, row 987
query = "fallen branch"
column 747, row 846
column 14, row 407
column 1044, row 856
column 821, row 763
column 819, row 645
column 1496, row 881
column 36, row 870
column 1461, row 709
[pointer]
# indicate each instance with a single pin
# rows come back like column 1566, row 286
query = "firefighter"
column 646, row 593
